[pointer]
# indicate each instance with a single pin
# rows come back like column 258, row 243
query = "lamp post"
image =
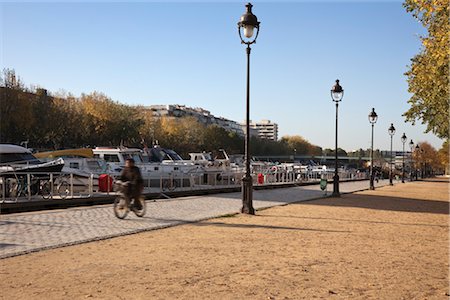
column 411, row 145
column 248, row 23
column 418, row 162
column 337, row 92
column 391, row 131
column 373, row 117
column 403, row 157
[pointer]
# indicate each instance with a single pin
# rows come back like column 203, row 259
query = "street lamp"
column 411, row 145
column 337, row 92
column 373, row 117
column 404, row 138
column 247, row 24
column 391, row 131
column 418, row 162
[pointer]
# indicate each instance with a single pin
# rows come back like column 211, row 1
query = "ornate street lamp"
column 337, row 93
column 373, row 117
column 418, row 162
column 391, row 131
column 404, row 138
column 247, row 24
column 411, row 145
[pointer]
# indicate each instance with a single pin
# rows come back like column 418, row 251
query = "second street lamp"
column 417, row 161
column 411, row 163
column 403, row 157
column 391, row 131
column 248, row 23
column 337, row 92
column 373, row 117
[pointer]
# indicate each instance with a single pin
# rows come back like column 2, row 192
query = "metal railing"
column 22, row 187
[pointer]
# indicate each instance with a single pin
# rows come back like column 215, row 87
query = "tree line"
column 61, row 120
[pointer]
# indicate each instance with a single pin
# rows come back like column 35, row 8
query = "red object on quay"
column 260, row 178
column 105, row 183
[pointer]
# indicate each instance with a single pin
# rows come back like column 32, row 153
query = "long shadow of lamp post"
column 373, row 117
column 248, row 23
column 391, row 131
column 404, row 138
column 337, row 93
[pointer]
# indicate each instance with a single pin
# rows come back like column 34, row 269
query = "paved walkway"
column 28, row 232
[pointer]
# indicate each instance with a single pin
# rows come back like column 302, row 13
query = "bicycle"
column 169, row 184
column 123, row 205
column 60, row 185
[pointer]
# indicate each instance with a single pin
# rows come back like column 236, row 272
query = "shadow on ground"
column 385, row 203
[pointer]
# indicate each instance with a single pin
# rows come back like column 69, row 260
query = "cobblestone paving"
column 27, row 232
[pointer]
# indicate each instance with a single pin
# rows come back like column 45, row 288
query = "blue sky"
column 190, row 53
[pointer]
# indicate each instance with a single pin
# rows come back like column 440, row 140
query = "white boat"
column 157, row 163
column 80, row 163
column 220, row 163
column 19, row 160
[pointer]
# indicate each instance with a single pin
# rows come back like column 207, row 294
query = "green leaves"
column 428, row 75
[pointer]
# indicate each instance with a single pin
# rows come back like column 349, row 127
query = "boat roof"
column 81, row 152
column 10, row 148
column 115, row 150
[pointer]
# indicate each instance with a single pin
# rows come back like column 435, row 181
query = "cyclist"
column 132, row 175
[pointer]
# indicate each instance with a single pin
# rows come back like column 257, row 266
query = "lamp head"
column 391, row 130
column 248, row 23
column 404, row 138
column 373, row 117
column 337, row 92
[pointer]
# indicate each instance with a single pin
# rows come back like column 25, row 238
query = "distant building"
column 266, row 129
column 202, row 115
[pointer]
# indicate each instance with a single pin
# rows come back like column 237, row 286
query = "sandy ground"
column 392, row 243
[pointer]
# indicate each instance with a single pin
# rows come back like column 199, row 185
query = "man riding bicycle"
column 132, row 175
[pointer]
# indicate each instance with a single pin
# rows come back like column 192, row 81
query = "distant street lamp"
column 337, row 92
column 248, row 23
column 373, row 117
column 295, row 153
column 404, row 138
column 411, row 145
column 417, row 162
column 391, row 131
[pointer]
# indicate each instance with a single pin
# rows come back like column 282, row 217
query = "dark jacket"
column 133, row 176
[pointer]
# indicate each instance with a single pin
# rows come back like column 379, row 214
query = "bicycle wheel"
column 63, row 189
column 46, row 189
column 120, row 207
column 140, row 212
column 172, row 184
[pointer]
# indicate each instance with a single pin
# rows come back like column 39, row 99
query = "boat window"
column 18, row 158
column 111, row 157
column 173, row 155
column 96, row 155
column 74, row 165
column 136, row 156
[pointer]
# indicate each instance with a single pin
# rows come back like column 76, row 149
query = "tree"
column 301, row 146
column 444, row 157
column 428, row 75
column 426, row 159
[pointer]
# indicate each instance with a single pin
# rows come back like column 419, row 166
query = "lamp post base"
column 390, row 180
column 336, row 187
column 247, row 195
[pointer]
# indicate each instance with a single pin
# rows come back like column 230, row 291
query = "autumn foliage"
column 62, row 120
